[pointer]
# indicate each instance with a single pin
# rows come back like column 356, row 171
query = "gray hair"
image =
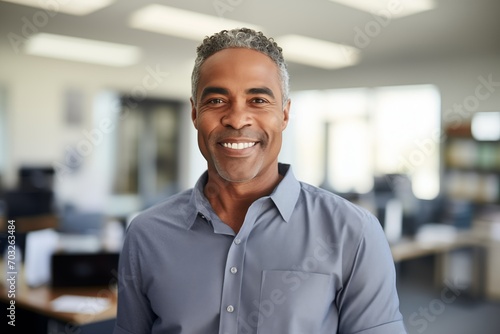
column 240, row 38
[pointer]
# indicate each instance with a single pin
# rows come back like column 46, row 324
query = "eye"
column 258, row 100
column 215, row 101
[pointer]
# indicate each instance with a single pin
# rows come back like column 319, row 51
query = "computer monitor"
column 78, row 222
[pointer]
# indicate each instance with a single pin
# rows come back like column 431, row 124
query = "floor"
column 428, row 309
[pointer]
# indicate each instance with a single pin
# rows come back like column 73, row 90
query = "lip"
column 238, row 152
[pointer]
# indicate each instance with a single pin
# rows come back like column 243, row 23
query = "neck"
column 231, row 200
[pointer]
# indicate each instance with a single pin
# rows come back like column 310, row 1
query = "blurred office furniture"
column 384, row 193
column 84, row 269
column 89, row 245
column 472, row 163
column 147, row 149
column 78, row 266
column 74, row 221
column 36, row 178
column 30, row 203
column 36, row 312
column 40, row 245
column 442, row 248
column 471, row 180
column 469, row 256
column 398, row 210
column 32, row 223
column 487, row 225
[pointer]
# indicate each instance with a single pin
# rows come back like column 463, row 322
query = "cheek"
column 205, row 127
column 205, row 124
column 276, row 124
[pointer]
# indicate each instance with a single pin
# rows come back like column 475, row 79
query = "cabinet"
column 471, row 167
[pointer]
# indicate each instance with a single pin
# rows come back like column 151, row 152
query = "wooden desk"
column 34, row 223
column 478, row 242
column 39, row 301
column 411, row 249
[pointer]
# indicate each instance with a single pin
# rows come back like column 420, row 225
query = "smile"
column 238, row 146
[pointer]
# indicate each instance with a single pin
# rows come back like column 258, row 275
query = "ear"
column 286, row 114
column 194, row 113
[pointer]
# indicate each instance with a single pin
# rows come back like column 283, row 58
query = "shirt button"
column 233, row 270
column 230, row 308
column 237, row 241
column 202, row 216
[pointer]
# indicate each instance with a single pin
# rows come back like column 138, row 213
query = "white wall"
column 35, row 87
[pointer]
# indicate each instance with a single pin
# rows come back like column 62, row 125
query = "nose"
column 237, row 116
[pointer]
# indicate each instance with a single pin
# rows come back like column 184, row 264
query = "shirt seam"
column 136, row 272
column 380, row 325
column 354, row 258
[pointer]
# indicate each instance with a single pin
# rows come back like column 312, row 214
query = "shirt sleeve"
column 134, row 315
column 368, row 302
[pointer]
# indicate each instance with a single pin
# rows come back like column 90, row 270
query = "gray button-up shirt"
column 305, row 261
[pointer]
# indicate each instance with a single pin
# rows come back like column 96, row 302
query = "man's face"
column 239, row 114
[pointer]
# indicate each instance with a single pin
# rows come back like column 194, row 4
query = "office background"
column 384, row 118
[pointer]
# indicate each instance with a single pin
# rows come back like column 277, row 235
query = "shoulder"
column 329, row 202
column 337, row 213
column 173, row 212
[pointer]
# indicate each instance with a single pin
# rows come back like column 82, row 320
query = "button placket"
column 231, row 289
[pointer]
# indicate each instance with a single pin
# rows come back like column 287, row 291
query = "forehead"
column 245, row 66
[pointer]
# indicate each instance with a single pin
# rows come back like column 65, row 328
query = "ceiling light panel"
column 73, row 7
column 82, row 50
column 182, row 23
column 317, row 53
column 390, row 8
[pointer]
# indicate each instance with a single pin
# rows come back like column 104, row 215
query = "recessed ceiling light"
column 182, row 23
column 83, row 50
column 390, row 8
column 68, row 7
column 317, row 53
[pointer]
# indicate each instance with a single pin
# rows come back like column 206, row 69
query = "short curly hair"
column 240, row 38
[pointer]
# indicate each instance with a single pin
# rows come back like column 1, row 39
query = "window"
column 343, row 138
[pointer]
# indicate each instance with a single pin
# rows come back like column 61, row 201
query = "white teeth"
column 238, row 146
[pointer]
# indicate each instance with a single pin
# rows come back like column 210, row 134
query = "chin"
column 237, row 176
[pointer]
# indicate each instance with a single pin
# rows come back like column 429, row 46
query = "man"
column 250, row 249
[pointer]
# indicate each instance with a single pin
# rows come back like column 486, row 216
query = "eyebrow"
column 213, row 90
column 261, row 90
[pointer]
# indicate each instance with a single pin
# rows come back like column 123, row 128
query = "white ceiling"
column 456, row 28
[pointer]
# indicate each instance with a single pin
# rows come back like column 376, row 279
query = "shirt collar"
column 284, row 196
column 199, row 202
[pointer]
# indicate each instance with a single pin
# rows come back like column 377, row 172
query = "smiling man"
column 240, row 112
column 250, row 249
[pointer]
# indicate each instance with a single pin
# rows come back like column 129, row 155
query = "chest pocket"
column 294, row 302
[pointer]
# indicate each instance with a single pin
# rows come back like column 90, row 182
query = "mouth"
column 238, row 146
